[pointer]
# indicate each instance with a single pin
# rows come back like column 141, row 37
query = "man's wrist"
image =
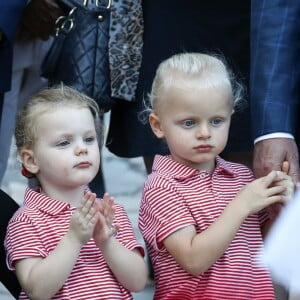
column 274, row 135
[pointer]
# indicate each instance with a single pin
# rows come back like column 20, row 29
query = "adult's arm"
column 275, row 73
column 10, row 13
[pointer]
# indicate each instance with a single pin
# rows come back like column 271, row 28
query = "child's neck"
column 71, row 195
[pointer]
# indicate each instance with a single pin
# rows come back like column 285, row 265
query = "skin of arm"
column 127, row 265
column 54, row 269
column 195, row 253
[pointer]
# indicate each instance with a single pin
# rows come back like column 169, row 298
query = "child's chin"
column 83, row 181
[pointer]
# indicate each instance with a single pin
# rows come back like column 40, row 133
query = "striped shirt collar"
column 34, row 199
column 166, row 165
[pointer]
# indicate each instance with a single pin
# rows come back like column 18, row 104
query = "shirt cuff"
column 274, row 136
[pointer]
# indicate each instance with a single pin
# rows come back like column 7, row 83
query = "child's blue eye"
column 63, row 143
column 89, row 139
column 188, row 123
column 216, row 122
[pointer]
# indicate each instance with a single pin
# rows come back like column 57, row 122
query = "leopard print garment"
column 125, row 47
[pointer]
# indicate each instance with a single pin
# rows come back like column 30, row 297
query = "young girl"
column 200, row 215
column 64, row 243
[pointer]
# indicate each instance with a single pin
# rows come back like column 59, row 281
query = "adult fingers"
column 285, row 167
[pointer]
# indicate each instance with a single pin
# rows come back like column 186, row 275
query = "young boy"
column 200, row 215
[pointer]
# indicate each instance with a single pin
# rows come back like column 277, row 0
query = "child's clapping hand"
column 84, row 219
column 104, row 228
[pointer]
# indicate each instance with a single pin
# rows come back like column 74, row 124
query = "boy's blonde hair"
column 45, row 101
column 210, row 69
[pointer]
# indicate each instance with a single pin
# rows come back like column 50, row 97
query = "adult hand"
column 38, row 20
column 270, row 154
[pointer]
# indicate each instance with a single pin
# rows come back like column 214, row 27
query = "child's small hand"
column 104, row 228
column 289, row 187
column 260, row 193
column 84, row 219
column 274, row 209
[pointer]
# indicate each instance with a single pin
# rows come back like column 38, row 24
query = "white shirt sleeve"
column 274, row 136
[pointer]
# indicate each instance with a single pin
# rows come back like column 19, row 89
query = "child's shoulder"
column 22, row 214
column 238, row 168
column 159, row 179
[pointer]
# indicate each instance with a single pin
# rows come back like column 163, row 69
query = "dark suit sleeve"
column 10, row 13
column 275, row 72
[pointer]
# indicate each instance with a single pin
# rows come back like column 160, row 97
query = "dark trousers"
column 7, row 209
column 7, row 277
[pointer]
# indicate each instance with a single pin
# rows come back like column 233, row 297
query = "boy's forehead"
column 185, row 93
column 196, row 84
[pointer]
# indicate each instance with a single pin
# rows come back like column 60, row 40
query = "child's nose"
column 81, row 148
column 203, row 131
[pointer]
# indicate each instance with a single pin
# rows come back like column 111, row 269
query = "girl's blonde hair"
column 45, row 101
column 210, row 69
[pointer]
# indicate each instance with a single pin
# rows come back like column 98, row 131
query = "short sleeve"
column 126, row 234
column 22, row 241
column 163, row 211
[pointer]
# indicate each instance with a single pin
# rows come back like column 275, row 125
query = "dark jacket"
column 10, row 13
column 275, row 71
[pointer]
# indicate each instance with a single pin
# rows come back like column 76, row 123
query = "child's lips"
column 84, row 164
column 203, row 148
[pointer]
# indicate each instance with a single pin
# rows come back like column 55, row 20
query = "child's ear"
column 156, row 125
column 29, row 161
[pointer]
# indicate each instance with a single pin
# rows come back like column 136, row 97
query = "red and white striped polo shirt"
column 176, row 196
column 36, row 229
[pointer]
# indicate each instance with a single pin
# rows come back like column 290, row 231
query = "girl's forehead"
column 61, row 113
column 57, row 108
column 61, row 121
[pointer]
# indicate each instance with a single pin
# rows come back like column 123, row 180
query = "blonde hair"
column 210, row 69
column 45, row 101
